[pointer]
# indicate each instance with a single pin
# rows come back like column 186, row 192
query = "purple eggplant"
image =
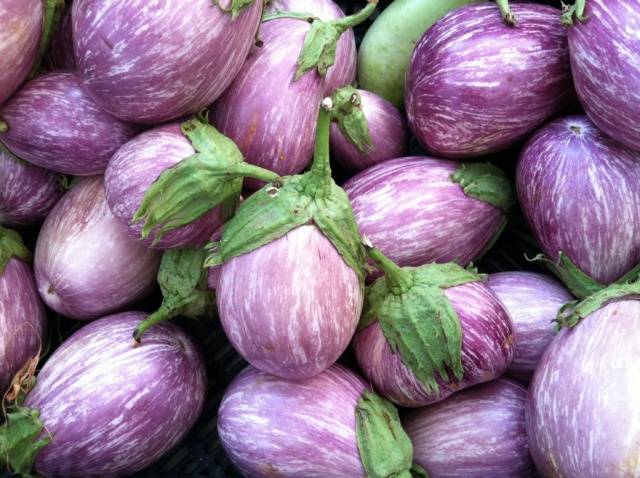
column 22, row 315
column 21, row 27
column 479, row 432
column 85, row 265
column 323, row 434
column 603, row 46
column 111, row 409
column 152, row 64
column 290, row 307
column 59, row 55
column 533, row 302
column 415, row 210
column 28, row 192
column 582, row 417
column 578, row 190
column 268, row 113
column 476, row 85
column 387, row 136
column 131, row 171
column 430, row 331
column 53, row 123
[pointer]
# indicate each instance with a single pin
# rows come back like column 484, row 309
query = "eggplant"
column 23, row 319
column 53, row 123
column 582, row 420
column 418, row 210
column 602, row 46
column 533, row 302
column 151, row 65
column 476, row 85
column 107, row 408
column 578, row 190
column 28, row 192
column 132, row 170
column 383, row 133
column 479, row 432
column 430, row 331
column 85, row 264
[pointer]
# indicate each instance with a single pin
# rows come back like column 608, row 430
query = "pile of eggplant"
column 325, row 204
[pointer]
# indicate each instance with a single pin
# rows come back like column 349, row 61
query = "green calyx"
column 507, row 15
column 235, row 8
column 385, row 448
column 573, row 312
column 11, row 246
column 197, row 184
column 569, row 12
column 350, row 117
column 53, row 10
column 183, row 281
column 417, row 318
column 319, row 48
column 309, row 198
column 485, row 182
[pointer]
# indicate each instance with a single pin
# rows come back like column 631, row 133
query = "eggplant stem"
column 163, row 313
column 576, row 10
column 320, row 173
column 507, row 15
column 255, row 172
column 399, row 280
column 357, row 18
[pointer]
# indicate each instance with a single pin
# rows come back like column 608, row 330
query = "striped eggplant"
column 418, row 210
column 134, row 167
column 28, row 192
column 153, row 63
column 429, row 331
column 476, row 85
column 20, row 32
column 479, row 432
column 582, row 417
column 111, row 409
column 589, row 236
column 533, row 302
column 53, row 123
column 59, row 55
column 85, row 265
column 268, row 113
column 323, row 433
column 22, row 316
column 606, row 73
column 386, row 137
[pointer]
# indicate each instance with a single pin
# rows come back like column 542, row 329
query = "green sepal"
column 385, row 448
column 53, row 10
column 236, row 7
column 197, row 184
column 485, row 182
column 11, row 246
column 350, row 117
column 507, row 15
column 418, row 472
column 576, row 10
column 319, row 48
column 183, row 281
column 19, row 442
column 573, row 312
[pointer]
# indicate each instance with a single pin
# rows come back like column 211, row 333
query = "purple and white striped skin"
column 387, row 129
column 273, row 427
column 579, row 192
column 54, row 123
column 271, row 117
column 59, row 55
column 28, row 192
column 476, row 85
column 487, row 349
column 20, row 32
column 132, row 170
column 85, row 264
column 153, row 62
column 479, row 432
column 22, row 320
column 582, row 414
column 291, row 307
column 605, row 67
column 415, row 214
column 111, row 408
column 533, row 301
